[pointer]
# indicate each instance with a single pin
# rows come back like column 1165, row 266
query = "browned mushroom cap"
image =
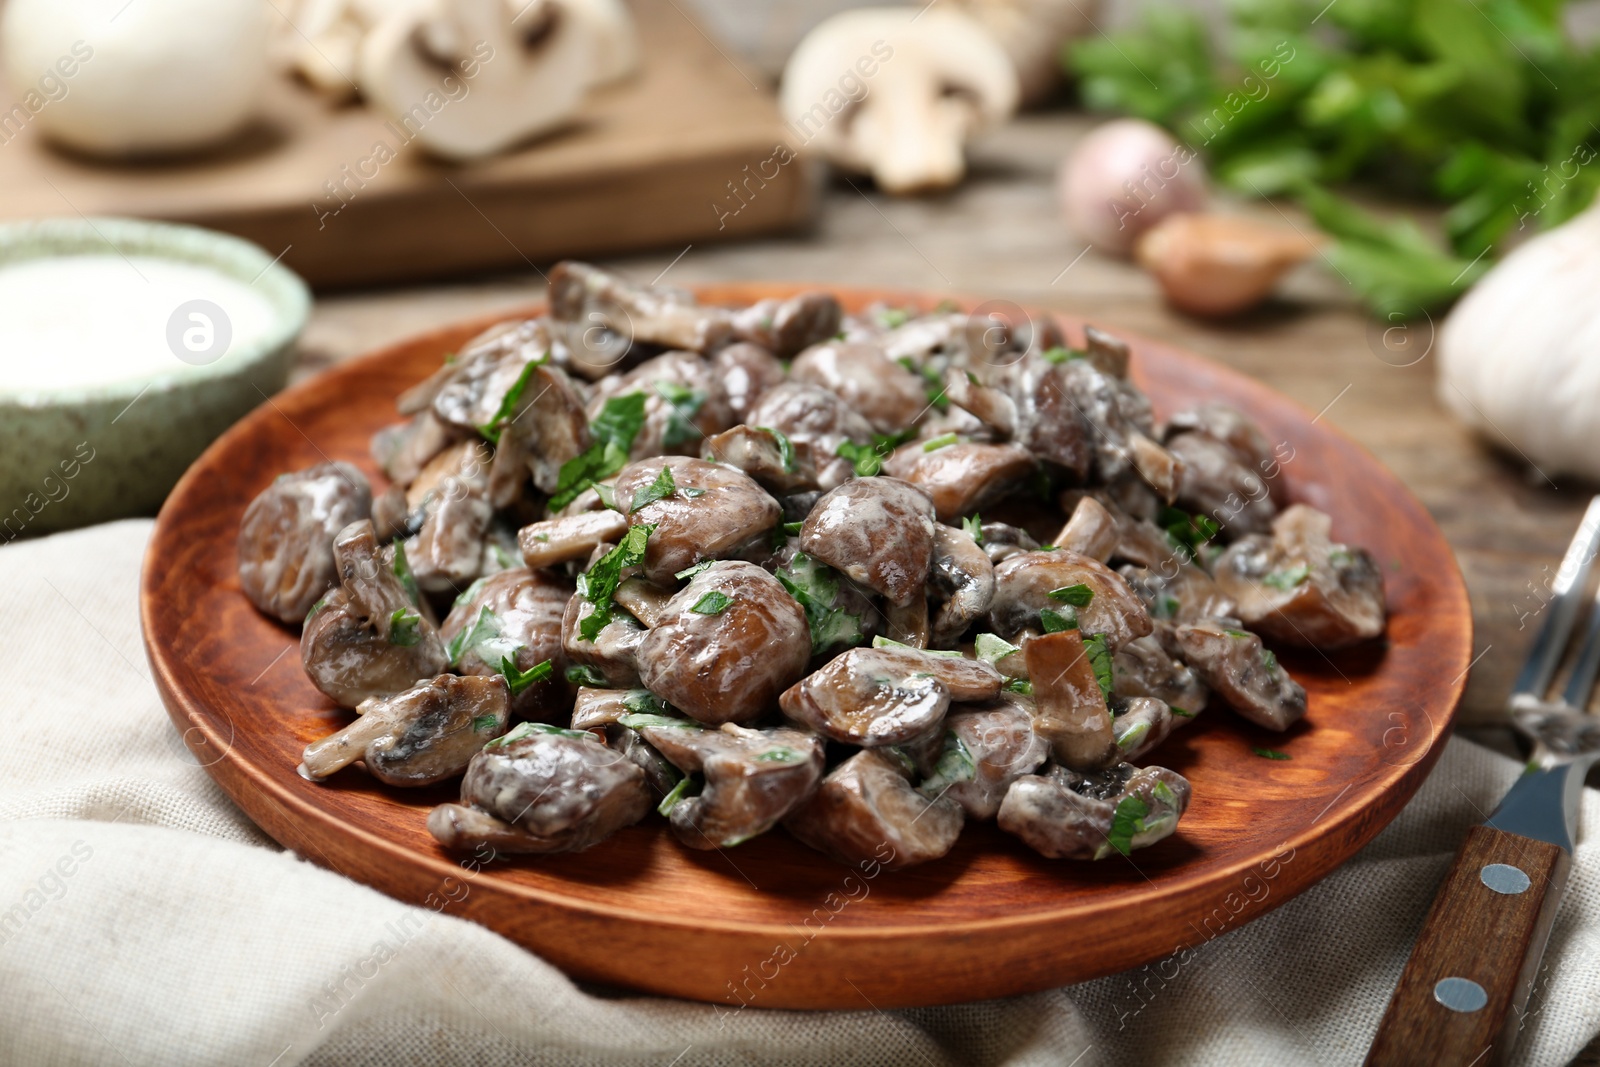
column 1214, row 483
column 964, row 577
column 961, row 477
column 1144, row 668
column 807, row 413
column 514, row 615
column 1244, row 674
column 986, row 747
column 886, row 393
column 1141, row 724
column 1161, row 470
column 710, row 511
column 746, row 372
column 659, row 774
column 543, row 789
column 447, row 553
column 1183, row 592
column 878, row 532
column 1050, row 422
column 1001, row 541
column 1234, row 429
column 612, row 652
column 1070, row 709
column 683, row 405
column 1301, row 588
column 403, row 449
column 1090, row 531
column 776, row 462
column 887, row 695
column 547, row 426
column 1067, row 815
column 466, row 462
column 572, row 536
column 424, row 735
column 727, row 644
column 1024, row 585
column 787, row 326
column 286, row 537
column 1108, row 354
column 487, row 369
column 990, row 405
column 753, row 778
column 583, row 297
column 866, row 812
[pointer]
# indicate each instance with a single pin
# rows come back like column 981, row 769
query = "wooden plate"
column 772, row 924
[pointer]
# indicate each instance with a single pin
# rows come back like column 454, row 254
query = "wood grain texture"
column 1487, row 937
column 772, row 924
column 646, row 163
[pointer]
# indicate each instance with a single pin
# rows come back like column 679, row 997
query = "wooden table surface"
column 1000, row 235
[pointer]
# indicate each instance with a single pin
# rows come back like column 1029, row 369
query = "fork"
column 1462, row 995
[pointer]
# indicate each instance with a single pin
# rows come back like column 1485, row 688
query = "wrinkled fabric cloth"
column 145, row 920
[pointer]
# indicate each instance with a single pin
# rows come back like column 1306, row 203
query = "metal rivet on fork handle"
column 1504, row 878
column 1460, row 994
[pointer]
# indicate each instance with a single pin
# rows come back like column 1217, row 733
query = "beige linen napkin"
column 144, row 920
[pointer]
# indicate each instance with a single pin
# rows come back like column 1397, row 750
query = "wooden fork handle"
column 1460, row 1000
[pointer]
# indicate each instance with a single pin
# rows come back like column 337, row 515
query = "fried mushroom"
column 886, row 695
column 878, row 532
column 1244, row 674
column 286, row 537
column 514, row 617
column 1028, row 584
column 961, row 477
column 1068, row 815
column 985, row 748
column 709, row 511
column 866, row 811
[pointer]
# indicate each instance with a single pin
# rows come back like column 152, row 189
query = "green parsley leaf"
column 1167, row 606
column 792, row 529
column 690, row 572
column 318, row 606
column 944, row 440
column 785, row 448
column 508, row 403
column 1019, row 685
column 403, row 627
column 816, row 587
column 601, row 580
column 955, row 765
column 1078, row 595
column 1054, row 622
column 663, row 487
column 1126, row 823
column 1269, row 661
column 585, row 675
column 992, row 648
column 1062, row 355
column 402, row 571
column 1180, row 712
column 685, row 405
column 484, row 722
column 972, row 526
column 1188, row 532
column 868, row 459
column 780, row 754
column 713, row 603
column 1288, row 579
column 677, row 793
column 1100, row 660
column 1237, row 633
column 520, row 680
column 612, row 431
column 880, row 641
column 893, row 318
column 1133, row 736
column 1271, row 753
column 932, row 383
column 640, row 720
column 1164, row 792
column 528, row 729
column 485, row 626
column 607, row 494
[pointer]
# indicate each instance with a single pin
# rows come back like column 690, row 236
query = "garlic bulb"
column 1123, row 178
column 1519, row 357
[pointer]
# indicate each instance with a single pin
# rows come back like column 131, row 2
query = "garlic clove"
column 1214, row 265
column 1123, row 179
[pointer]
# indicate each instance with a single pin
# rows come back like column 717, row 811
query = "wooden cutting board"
column 647, row 164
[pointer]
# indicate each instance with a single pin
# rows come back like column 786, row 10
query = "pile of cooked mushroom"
column 865, row 576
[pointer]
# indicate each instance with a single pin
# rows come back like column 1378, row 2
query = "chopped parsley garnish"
column 1167, row 606
column 485, row 627
column 318, row 606
column 1019, row 685
column 1054, row 622
column 932, row 384
column 1058, row 354
column 1188, row 532
column 991, row 648
column 1180, row 712
column 1078, row 595
column 1237, row 633
column 678, row 792
column 1269, row 661
column 404, row 627
column 781, row 754
column 868, row 459
column 690, row 572
column 955, row 765
column 644, row 702
column 893, row 318
column 520, row 680
column 528, row 729
column 1126, row 823
column 685, row 404
column 883, row 642
column 585, row 675
column 972, row 526
column 792, row 529
column 599, row 583
column 1271, row 753
column 1100, row 660
column 785, row 448
column 643, row 720
column 612, row 431
column 663, row 487
column 402, row 571
column 1133, row 736
column 607, row 494
column 1339, row 557
column 508, row 403
column 815, row 587
column 1164, row 793
column 713, row 603
column 944, row 440
column 1288, row 579
column 484, row 722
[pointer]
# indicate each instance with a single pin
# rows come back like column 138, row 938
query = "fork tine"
column 1562, row 613
column 1581, row 684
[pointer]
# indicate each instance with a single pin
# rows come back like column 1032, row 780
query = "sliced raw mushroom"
column 859, row 373
column 610, row 27
column 1070, row 700
column 575, row 536
column 777, row 463
column 1144, row 668
column 605, row 315
column 943, row 80
column 1090, row 531
column 514, row 618
column 866, row 811
column 699, row 511
column 683, row 404
column 878, row 532
column 1070, row 587
column 887, row 695
column 784, row 327
column 529, row 78
column 985, row 748
column 424, row 735
column 1213, row 482
column 612, row 652
column 325, row 43
column 816, row 417
column 726, row 645
column 1141, row 724
column 752, row 778
column 368, row 638
column 1068, row 815
column 1247, row 676
column 746, row 371
column 962, row 476
column 964, row 577
column 402, row 450
column 286, row 537
column 1300, row 587
column 543, row 789
column 547, row 427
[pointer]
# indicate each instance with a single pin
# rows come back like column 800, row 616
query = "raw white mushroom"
column 1123, row 178
column 467, row 82
column 896, row 92
column 1519, row 357
column 147, row 78
column 1032, row 32
column 613, row 33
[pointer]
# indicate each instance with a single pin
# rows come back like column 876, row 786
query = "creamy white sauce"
column 73, row 321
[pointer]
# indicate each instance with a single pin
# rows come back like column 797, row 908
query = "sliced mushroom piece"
column 780, row 465
column 446, row 554
column 1234, row 429
column 746, row 371
column 1302, row 588
column 614, row 650
column 467, row 462
column 1160, row 469
column 1070, row 709
column 888, row 695
column 964, row 577
column 961, row 477
column 1144, row 668
column 392, row 517
column 514, row 615
column 684, row 403
column 543, row 789
column 1090, row 531
column 1213, row 482
column 866, row 812
column 1068, row 815
column 575, row 536
column 753, row 778
column 643, row 599
column 907, row 624
column 421, row 736
column 286, row 537
column 1184, row 592
column 488, row 370
column 810, row 414
column 726, row 645
column 1031, row 583
column 548, row 427
column 402, row 450
column 1108, row 354
column 878, row 532
column 1051, row 423
column 784, row 327
column 985, row 748
column 659, row 774
column 1141, row 724
column 859, row 373
column 1001, row 541
column 589, row 302
column 709, row 511
column 989, row 405
column 1247, row 676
